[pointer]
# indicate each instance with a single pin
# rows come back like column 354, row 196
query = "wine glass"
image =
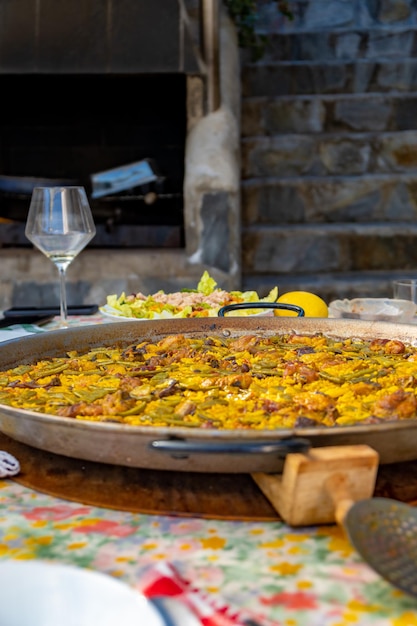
column 60, row 224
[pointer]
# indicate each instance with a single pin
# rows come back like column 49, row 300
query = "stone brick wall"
column 329, row 148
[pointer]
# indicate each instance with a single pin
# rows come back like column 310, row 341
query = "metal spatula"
column 384, row 533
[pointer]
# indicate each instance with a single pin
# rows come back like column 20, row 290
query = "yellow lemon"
column 313, row 305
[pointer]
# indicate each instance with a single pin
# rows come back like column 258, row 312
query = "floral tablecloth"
column 289, row 577
column 303, row 577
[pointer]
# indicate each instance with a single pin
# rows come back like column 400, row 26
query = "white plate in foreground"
column 42, row 593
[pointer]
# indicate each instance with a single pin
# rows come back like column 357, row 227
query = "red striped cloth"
column 165, row 580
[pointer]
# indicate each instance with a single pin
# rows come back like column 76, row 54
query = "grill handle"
column 261, row 305
column 281, row 447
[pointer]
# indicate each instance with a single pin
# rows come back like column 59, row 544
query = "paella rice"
column 245, row 382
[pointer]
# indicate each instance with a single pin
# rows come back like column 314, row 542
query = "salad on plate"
column 204, row 301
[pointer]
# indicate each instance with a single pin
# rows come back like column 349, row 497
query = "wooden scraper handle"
column 320, row 486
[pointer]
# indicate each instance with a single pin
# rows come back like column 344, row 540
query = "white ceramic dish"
column 380, row 309
column 108, row 311
column 42, row 593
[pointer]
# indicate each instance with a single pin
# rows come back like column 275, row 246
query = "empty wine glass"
column 60, row 224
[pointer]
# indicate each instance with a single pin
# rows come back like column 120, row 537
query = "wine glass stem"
column 63, row 296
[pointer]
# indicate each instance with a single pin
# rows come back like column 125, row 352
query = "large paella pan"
column 196, row 449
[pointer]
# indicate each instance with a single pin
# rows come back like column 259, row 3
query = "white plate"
column 379, row 309
column 42, row 593
column 109, row 312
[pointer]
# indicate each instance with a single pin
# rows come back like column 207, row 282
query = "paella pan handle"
column 260, row 305
column 281, row 447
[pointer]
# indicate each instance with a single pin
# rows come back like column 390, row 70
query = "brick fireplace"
column 108, row 85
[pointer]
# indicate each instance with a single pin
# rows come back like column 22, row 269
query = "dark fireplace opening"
column 69, row 127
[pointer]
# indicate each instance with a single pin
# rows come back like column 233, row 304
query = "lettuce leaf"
column 207, row 284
